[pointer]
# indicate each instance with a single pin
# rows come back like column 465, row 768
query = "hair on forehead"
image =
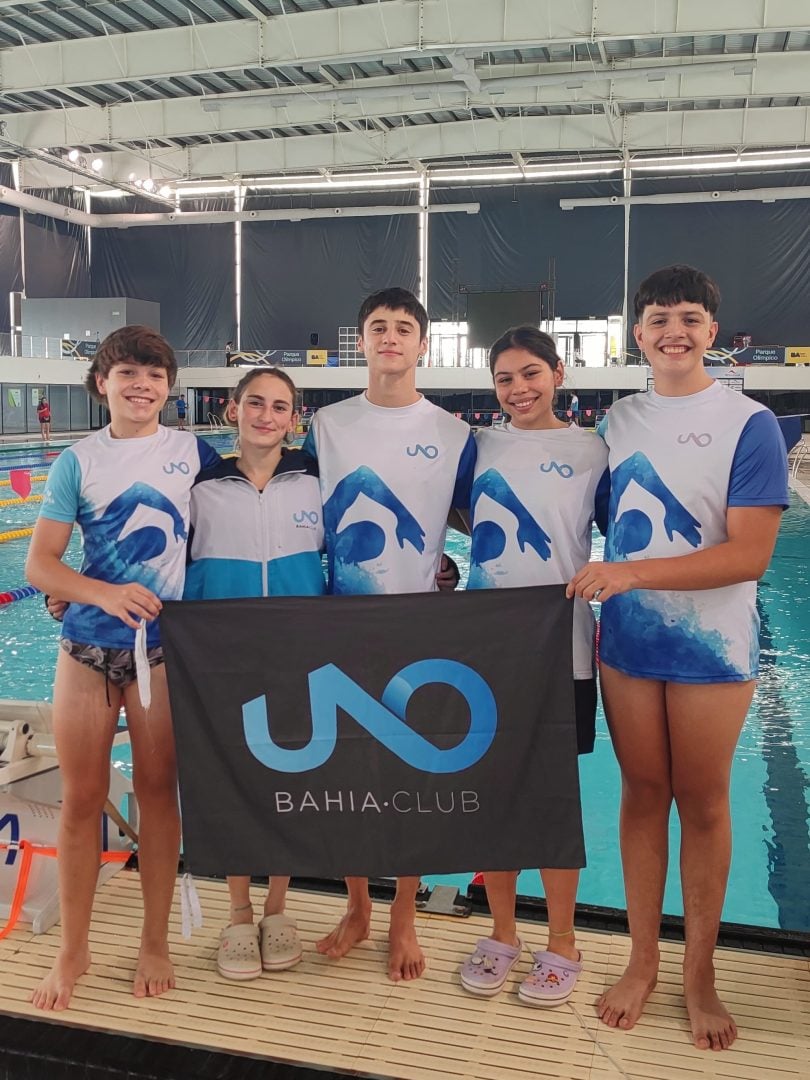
column 677, row 284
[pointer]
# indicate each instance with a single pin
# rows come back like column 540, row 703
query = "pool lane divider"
column 15, row 534
column 22, row 593
column 34, row 479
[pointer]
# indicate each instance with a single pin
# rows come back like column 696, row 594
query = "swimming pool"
column 771, row 864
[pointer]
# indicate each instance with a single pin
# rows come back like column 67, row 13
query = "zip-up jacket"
column 246, row 542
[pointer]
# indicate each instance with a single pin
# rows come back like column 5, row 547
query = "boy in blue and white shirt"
column 391, row 467
column 128, row 488
column 698, row 485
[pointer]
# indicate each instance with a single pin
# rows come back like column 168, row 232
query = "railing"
column 214, row 422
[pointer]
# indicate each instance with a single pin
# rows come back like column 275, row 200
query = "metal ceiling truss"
column 220, row 89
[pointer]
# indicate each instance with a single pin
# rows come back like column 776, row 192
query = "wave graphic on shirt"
column 363, row 541
column 632, row 530
column 119, row 555
column 489, row 538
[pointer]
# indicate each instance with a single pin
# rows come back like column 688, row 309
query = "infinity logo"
column 699, row 440
column 430, row 451
column 12, row 822
column 306, row 515
column 177, row 466
column 331, row 689
column 565, row 471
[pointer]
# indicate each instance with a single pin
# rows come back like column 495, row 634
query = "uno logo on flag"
column 331, row 689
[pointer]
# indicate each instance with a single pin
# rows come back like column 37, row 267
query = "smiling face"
column 391, row 341
column 525, row 387
column 674, row 339
column 134, row 393
column 264, row 413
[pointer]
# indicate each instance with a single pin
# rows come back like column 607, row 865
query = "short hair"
column 395, row 299
column 529, row 338
column 677, row 284
column 131, row 344
column 241, row 387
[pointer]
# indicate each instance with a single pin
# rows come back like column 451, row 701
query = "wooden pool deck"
column 346, row 1018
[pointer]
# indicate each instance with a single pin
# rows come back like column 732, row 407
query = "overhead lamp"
column 131, row 178
column 97, row 164
column 139, row 183
column 165, row 191
column 149, row 184
column 73, row 155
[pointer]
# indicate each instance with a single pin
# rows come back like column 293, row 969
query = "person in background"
column 44, row 417
column 181, row 406
column 228, row 351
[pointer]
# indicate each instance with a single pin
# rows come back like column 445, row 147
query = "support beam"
column 216, row 114
column 763, row 195
column 35, row 205
column 391, row 31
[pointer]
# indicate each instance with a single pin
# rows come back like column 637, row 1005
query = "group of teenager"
column 688, row 482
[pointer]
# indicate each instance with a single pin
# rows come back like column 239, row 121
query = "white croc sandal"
column 238, row 955
column 279, row 943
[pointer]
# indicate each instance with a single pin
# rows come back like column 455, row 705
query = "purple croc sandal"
column 485, row 972
column 552, row 980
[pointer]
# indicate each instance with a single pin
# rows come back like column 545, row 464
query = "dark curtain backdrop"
column 56, row 252
column 509, row 243
column 10, row 261
column 187, row 269
column 758, row 253
column 310, row 276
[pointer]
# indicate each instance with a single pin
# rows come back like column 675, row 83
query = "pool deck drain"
column 346, row 1018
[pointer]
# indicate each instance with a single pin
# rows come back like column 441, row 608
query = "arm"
column 744, row 556
column 45, row 570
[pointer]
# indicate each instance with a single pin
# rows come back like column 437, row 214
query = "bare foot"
column 622, row 1005
column 405, row 957
column 154, row 974
column 55, row 990
column 354, row 927
column 713, row 1027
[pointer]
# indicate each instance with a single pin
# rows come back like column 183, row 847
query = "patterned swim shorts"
column 116, row 665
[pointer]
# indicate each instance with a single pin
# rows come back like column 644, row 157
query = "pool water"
column 770, row 869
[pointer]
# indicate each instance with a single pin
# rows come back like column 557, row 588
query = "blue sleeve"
column 601, row 428
column 208, row 455
column 602, row 502
column 464, row 476
column 759, row 472
column 60, row 500
column 309, row 443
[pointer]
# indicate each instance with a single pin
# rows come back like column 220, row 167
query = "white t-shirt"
column 532, row 509
column 676, row 465
column 130, row 498
column 388, row 479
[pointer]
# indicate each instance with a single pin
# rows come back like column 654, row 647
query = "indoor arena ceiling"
column 182, row 91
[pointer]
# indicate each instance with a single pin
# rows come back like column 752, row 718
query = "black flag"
column 376, row 735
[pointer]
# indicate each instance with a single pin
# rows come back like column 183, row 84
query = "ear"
column 101, row 384
column 559, row 374
column 359, row 344
column 713, row 332
column 231, row 412
column 637, row 334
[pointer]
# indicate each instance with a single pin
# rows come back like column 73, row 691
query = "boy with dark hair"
column 128, row 488
column 391, row 467
column 698, row 485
